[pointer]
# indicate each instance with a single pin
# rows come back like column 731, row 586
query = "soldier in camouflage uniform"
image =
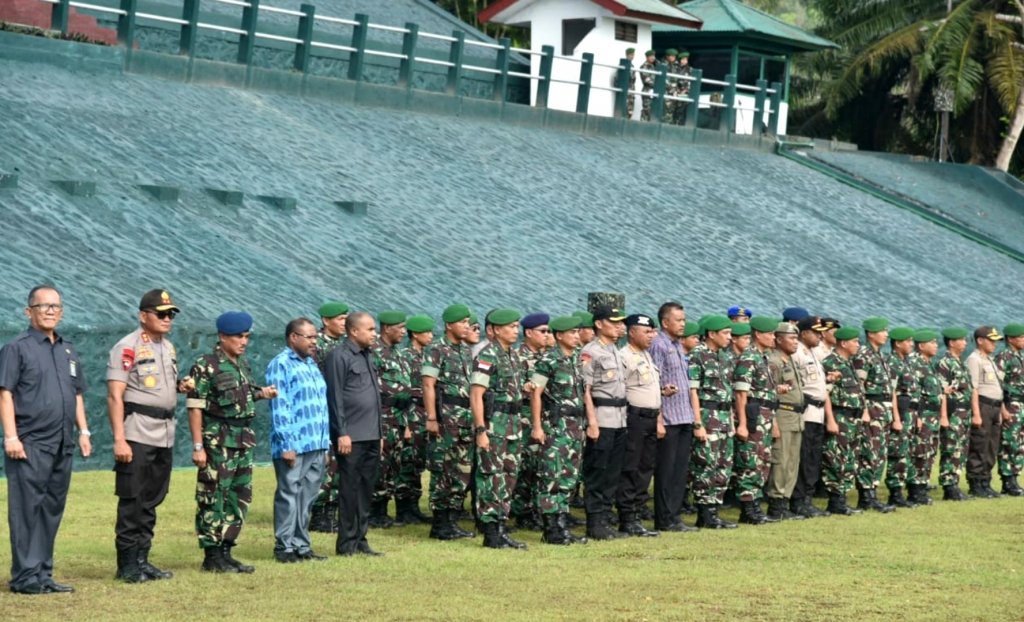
column 324, row 515
column 409, row 486
column 710, row 386
column 956, row 383
column 849, row 408
column 647, row 80
column 630, row 105
column 873, row 371
column 756, row 401
column 924, row 438
column 450, row 455
column 495, row 397
column 683, row 90
column 1011, row 447
column 908, row 398
column 221, row 407
column 524, row 499
column 671, row 87
column 558, row 423
column 395, row 401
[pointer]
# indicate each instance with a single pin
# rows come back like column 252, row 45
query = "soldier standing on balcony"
column 647, row 80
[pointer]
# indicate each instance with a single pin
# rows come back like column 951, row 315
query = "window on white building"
column 624, row 31
column 573, row 31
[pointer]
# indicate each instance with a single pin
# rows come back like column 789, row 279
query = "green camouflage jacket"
column 324, row 345
column 225, row 392
column 450, row 364
column 929, row 381
column 709, row 375
column 561, row 379
column 847, row 391
column 873, row 371
column 954, row 374
column 751, row 373
column 395, row 380
column 1011, row 363
column 905, row 377
column 500, row 371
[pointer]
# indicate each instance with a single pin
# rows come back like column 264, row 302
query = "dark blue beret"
column 234, row 323
column 534, row 320
column 794, row 314
column 738, row 311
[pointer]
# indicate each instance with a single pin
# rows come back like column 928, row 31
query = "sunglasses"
column 164, row 315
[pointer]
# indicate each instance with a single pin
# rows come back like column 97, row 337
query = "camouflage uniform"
column 524, row 498
column 682, row 90
column 563, row 420
column 501, row 372
column 671, row 90
column 752, row 457
column 450, row 455
column 839, row 459
column 226, row 394
column 876, row 377
column 413, row 460
column 711, row 461
column 908, row 396
column 630, row 97
column 924, row 442
column 953, row 440
column 1011, row 446
column 395, row 399
column 325, row 507
column 647, row 79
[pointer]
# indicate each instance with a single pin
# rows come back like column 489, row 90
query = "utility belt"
column 455, row 400
column 904, row 402
column 808, row 400
column 238, row 422
column 391, row 401
column 847, row 412
column 612, row 402
column 772, row 405
column 792, row 408
column 645, row 413
column 556, row 412
column 988, row 401
column 150, row 411
column 716, row 405
column 508, row 407
column 877, row 397
column 955, row 405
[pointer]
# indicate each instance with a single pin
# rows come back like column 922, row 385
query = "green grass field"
column 950, row 561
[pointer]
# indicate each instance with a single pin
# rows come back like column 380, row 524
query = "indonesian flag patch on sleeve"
column 483, row 366
column 127, row 358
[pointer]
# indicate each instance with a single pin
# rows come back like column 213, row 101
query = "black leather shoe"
column 286, row 557
column 364, row 549
column 636, row 528
column 51, row 586
column 30, row 588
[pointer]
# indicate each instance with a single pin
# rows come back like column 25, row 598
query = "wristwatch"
column 478, row 430
column 84, row 433
column 697, row 425
column 197, row 447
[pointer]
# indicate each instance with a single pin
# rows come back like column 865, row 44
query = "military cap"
column 901, row 333
column 716, row 322
column 157, row 300
column 740, row 328
column 924, row 335
column 683, row 54
column 875, row 324
column 639, row 319
column 830, row 323
column 332, row 309
column 390, row 318
column 846, row 333
column 987, row 332
column 455, row 313
column 671, row 52
column 534, row 320
column 473, row 321
column 785, row 328
column 607, row 312
column 234, row 323
column 764, row 324
column 564, row 323
column 794, row 314
column 811, row 322
column 738, row 311
column 692, row 328
column 630, row 50
column 955, row 332
column 419, row 323
column 1014, row 330
column 586, row 319
column 503, row 317
column 650, row 53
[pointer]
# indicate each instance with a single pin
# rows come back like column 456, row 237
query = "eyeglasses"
column 47, row 307
column 309, row 337
column 543, row 331
column 164, row 315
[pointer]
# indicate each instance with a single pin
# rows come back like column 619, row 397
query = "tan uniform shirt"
column 643, row 381
column 604, row 373
column 985, row 376
column 150, row 371
column 812, row 376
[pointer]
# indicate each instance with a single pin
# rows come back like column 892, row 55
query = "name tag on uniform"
column 73, row 368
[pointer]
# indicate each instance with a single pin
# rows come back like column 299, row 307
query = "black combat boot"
column 804, row 507
column 492, row 537
column 379, row 515
column 750, row 514
column 576, row 497
column 986, row 486
column 876, row 505
column 837, row 505
column 507, row 539
column 687, row 508
column 528, row 522
column 564, row 524
column 630, row 525
column 598, row 528
column 149, row 569
column 553, row 532
column 918, row 494
column 573, row 521
column 440, row 528
column 777, row 509
column 974, row 488
column 214, row 561
column 1011, row 488
column 128, row 566
column 896, row 499
column 952, row 492
column 234, row 563
column 707, row 518
column 406, row 514
column 454, row 526
column 414, row 507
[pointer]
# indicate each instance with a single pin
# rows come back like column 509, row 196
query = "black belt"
column 716, row 405
column 238, row 422
column 793, row 408
column 849, row 412
column 772, row 405
column 646, row 413
column 877, row 396
column 988, row 401
column 455, row 400
column 960, row 405
column 813, row 402
column 149, row 411
column 507, row 407
column 615, row 402
column 390, row 401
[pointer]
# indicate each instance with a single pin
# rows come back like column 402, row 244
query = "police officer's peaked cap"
column 987, row 332
column 157, row 300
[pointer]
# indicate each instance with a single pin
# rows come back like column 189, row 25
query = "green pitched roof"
column 731, row 16
column 655, row 7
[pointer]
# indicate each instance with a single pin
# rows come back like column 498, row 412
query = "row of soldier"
column 677, row 66
column 755, row 405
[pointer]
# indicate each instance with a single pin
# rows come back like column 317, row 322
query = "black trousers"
column 671, row 471
column 37, row 489
column 984, row 443
column 602, row 466
column 357, row 477
column 638, row 463
column 140, row 485
column 812, row 442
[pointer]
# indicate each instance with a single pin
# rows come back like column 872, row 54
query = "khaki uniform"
column 789, row 419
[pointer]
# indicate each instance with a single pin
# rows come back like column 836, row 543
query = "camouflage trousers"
column 839, row 457
column 711, row 460
column 669, row 111
column 898, row 448
column 752, row 458
column 329, row 483
column 953, row 447
column 924, row 443
column 409, row 484
column 524, row 498
column 497, row 467
column 450, row 459
column 645, row 107
column 873, row 444
column 1011, row 442
column 390, row 460
column 560, row 461
column 223, row 493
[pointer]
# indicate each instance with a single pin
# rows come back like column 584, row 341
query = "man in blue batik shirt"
column 299, row 440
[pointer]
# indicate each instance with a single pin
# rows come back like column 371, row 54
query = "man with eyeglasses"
column 142, row 393
column 41, row 387
column 298, row 440
column 524, row 500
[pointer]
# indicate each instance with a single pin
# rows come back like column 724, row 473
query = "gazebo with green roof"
column 739, row 40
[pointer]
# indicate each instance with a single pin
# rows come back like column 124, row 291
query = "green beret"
column 332, row 309
column 740, row 328
column 846, row 333
column 586, row 319
column 503, row 317
column 702, row 319
column 956, row 332
column 692, row 328
column 671, row 52
column 717, row 323
column 390, row 318
column 473, row 320
column 763, row 324
column 630, row 50
column 420, row 323
column 683, row 54
column 925, row 335
column 650, row 53
column 901, row 333
column 455, row 313
column 875, row 324
column 1014, row 330
column 564, row 323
